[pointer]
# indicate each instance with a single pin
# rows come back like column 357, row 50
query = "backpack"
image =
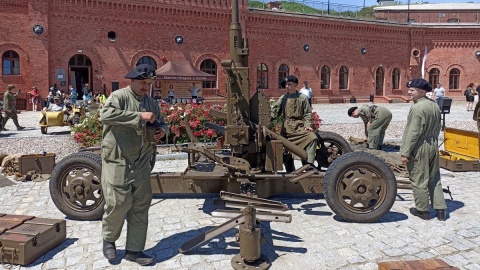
column 466, row 93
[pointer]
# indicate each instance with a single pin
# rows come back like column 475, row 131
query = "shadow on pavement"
column 387, row 218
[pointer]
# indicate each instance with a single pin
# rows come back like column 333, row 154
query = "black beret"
column 420, row 84
column 141, row 72
column 351, row 110
column 289, row 78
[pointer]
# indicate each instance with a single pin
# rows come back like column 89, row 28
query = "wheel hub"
column 79, row 188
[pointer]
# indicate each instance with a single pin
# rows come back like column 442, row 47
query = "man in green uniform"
column 376, row 120
column 126, row 167
column 297, row 125
column 9, row 106
column 419, row 150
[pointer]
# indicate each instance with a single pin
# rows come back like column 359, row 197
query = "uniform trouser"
column 425, row 177
column 376, row 131
column 311, row 151
column 132, row 199
column 11, row 114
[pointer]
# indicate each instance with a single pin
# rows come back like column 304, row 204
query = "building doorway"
column 80, row 73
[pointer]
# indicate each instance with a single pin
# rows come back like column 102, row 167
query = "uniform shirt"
column 9, row 103
column 423, row 123
column 365, row 112
column 306, row 91
column 124, row 134
column 56, row 108
column 296, row 117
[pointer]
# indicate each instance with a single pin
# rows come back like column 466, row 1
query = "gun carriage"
column 357, row 186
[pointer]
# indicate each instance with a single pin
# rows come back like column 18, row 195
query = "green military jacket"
column 9, row 101
column 423, row 124
column 365, row 112
column 296, row 111
column 124, row 134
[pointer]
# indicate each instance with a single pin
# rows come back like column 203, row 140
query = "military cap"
column 289, row 78
column 141, row 72
column 10, row 87
column 351, row 110
column 420, row 84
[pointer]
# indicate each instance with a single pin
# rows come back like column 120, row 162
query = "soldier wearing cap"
column 376, row 120
column 297, row 125
column 126, row 163
column 419, row 150
column 9, row 106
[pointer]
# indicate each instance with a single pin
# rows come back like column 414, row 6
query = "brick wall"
column 148, row 28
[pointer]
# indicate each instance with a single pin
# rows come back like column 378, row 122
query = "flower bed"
column 89, row 131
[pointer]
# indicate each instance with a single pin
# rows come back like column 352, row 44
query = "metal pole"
column 408, row 12
column 328, row 8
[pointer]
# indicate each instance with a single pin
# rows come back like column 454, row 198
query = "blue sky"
column 374, row 2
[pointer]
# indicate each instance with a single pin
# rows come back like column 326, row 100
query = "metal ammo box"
column 23, row 239
column 37, row 162
column 462, row 150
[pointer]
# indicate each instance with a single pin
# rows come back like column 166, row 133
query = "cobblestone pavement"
column 315, row 239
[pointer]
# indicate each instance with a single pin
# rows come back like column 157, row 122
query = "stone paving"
column 315, row 239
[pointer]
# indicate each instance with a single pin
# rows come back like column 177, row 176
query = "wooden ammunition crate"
column 462, row 150
column 429, row 264
column 37, row 163
column 29, row 238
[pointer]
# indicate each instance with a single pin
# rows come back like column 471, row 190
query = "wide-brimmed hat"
column 141, row 72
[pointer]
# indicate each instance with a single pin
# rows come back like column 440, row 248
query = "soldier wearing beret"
column 419, row 150
column 9, row 106
column 126, row 163
column 297, row 125
column 376, row 120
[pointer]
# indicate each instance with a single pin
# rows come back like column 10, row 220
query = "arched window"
column 147, row 60
column 209, row 66
column 433, row 76
column 379, row 80
column 10, row 63
column 325, row 78
column 262, row 76
column 454, row 79
column 282, row 73
column 396, row 78
column 343, row 78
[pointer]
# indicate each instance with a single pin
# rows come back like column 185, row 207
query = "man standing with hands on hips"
column 126, row 163
column 419, row 150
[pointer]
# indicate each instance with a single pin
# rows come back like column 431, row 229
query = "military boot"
column 20, row 128
column 109, row 250
column 441, row 214
column 139, row 257
column 421, row 214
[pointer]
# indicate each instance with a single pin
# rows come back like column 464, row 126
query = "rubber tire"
column 344, row 163
column 43, row 130
column 337, row 139
column 91, row 160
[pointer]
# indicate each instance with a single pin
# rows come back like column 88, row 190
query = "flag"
column 424, row 62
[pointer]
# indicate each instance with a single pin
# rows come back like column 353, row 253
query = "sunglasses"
column 146, row 75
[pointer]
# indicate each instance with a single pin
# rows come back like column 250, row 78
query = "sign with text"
column 181, row 89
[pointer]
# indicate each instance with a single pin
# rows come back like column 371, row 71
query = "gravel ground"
column 334, row 118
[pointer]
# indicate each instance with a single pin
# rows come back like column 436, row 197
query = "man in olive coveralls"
column 9, row 106
column 376, row 120
column 126, row 155
column 297, row 125
column 419, row 150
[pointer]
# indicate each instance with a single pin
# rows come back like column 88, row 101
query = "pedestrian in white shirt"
column 307, row 91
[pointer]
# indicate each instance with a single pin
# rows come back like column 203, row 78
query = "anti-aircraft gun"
column 357, row 186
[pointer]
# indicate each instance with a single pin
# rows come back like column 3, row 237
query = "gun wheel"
column 359, row 187
column 330, row 147
column 75, row 186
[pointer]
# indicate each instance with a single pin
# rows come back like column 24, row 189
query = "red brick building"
column 60, row 42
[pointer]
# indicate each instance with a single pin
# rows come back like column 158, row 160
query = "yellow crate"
column 462, row 144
